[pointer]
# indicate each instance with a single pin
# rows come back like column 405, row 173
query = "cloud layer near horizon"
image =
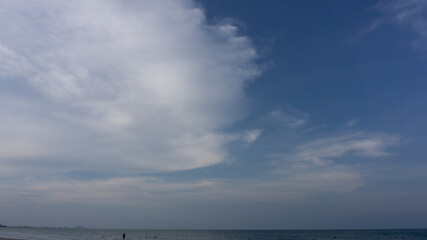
column 136, row 85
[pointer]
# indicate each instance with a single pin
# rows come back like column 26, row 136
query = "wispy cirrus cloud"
column 289, row 117
column 409, row 14
column 352, row 123
column 328, row 164
column 130, row 86
column 327, row 150
column 400, row 11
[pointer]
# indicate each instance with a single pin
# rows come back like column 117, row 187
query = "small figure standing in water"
column 124, row 236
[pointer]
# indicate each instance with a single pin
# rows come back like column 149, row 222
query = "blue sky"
column 213, row 114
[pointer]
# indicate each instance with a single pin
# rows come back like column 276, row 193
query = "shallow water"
column 116, row 234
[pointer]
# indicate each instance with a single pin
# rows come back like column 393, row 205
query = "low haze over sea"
column 116, row 234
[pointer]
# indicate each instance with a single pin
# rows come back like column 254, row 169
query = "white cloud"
column 290, row 117
column 251, row 136
column 325, row 150
column 401, row 11
column 323, row 165
column 352, row 123
column 135, row 85
column 409, row 14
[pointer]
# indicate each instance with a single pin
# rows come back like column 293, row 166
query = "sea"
column 116, row 234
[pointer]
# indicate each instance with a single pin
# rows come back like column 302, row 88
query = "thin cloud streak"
column 290, row 117
column 325, row 151
column 329, row 164
column 407, row 14
column 125, row 191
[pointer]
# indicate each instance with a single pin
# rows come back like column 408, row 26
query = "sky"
column 217, row 114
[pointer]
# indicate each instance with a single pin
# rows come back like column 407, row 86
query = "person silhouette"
column 124, row 236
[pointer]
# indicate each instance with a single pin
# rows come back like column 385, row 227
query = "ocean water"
column 116, row 234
